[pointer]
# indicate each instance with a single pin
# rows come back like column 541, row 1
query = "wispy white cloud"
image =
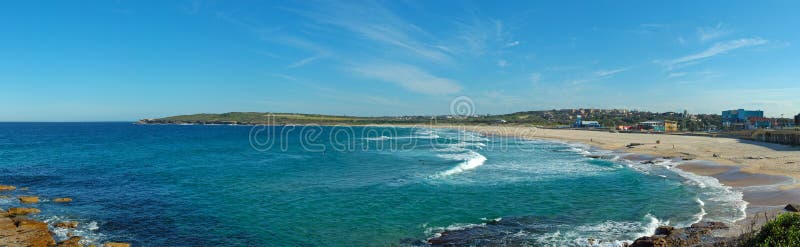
column 598, row 75
column 604, row 73
column 409, row 77
column 562, row 68
column 248, row 25
column 266, row 54
column 472, row 36
column 582, row 81
column 318, row 51
column 374, row 22
column 676, row 74
column 273, row 34
column 648, row 28
column 304, row 62
column 536, row 77
column 710, row 33
column 479, row 36
column 716, row 49
column 283, row 76
column 681, row 40
column 502, row 63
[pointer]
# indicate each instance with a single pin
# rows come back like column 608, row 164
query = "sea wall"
column 782, row 137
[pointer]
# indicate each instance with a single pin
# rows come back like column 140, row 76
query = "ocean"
column 205, row 185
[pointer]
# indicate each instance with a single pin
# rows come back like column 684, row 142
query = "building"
column 670, row 126
column 736, row 119
column 760, row 123
column 590, row 124
column 580, row 123
column 797, row 120
column 656, row 126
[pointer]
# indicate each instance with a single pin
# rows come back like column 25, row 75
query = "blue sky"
column 126, row 60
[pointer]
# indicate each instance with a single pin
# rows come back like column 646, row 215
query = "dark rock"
column 713, row 225
column 71, row 242
column 633, row 145
column 792, row 207
column 699, row 234
column 664, row 230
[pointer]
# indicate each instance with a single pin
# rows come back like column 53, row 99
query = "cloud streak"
column 409, row 77
column 371, row 21
column 604, row 73
column 716, row 49
column 599, row 75
column 710, row 33
column 304, row 62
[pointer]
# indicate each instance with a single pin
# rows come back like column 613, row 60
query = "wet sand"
column 734, row 176
column 760, row 190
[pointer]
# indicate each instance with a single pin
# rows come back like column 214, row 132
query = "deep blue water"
column 171, row 185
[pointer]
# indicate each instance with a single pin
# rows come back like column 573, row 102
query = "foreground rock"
column 62, row 200
column 67, row 224
column 114, row 244
column 699, row 234
column 24, row 232
column 74, row 241
column 28, row 199
column 22, row 211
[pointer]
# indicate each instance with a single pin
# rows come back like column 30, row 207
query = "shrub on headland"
column 781, row 231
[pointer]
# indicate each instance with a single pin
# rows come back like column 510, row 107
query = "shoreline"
column 745, row 166
column 766, row 188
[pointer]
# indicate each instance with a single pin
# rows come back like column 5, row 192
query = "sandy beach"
column 734, row 162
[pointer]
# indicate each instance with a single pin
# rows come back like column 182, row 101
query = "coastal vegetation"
column 550, row 118
column 784, row 230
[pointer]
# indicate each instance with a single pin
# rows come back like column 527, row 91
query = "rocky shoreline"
column 701, row 234
column 17, row 228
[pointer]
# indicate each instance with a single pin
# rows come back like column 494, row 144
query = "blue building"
column 580, row 123
column 740, row 117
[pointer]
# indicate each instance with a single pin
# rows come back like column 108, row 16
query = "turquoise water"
column 170, row 185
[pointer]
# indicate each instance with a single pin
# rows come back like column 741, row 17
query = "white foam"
column 717, row 192
column 471, row 160
column 87, row 230
column 6, row 200
column 702, row 212
column 603, row 234
column 380, row 138
column 384, row 138
column 652, row 224
column 710, row 190
column 436, row 232
column 469, row 144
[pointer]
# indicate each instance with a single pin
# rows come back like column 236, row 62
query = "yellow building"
column 670, row 126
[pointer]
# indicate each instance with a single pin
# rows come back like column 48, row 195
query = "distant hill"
column 607, row 117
